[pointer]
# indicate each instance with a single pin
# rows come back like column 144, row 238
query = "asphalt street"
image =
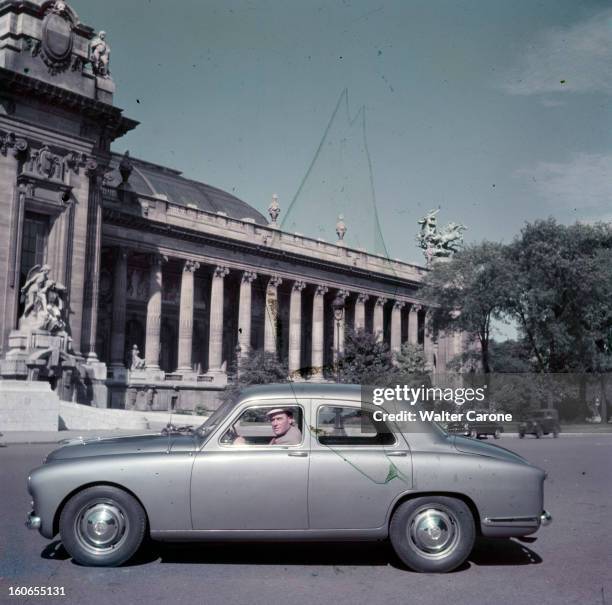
column 568, row 562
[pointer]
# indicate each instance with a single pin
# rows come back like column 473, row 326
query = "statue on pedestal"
column 99, row 55
column 138, row 363
column 439, row 243
column 44, row 303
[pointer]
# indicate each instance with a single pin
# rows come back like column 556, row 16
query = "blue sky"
column 496, row 111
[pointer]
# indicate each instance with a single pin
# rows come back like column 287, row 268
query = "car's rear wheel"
column 432, row 533
column 102, row 526
column 538, row 433
column 521, row 435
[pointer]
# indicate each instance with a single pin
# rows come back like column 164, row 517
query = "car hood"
column 136, row 444
column 479, row 448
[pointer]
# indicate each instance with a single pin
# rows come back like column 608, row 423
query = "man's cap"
column 287, row 411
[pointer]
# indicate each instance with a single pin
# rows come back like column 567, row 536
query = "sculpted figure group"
column 44, row 302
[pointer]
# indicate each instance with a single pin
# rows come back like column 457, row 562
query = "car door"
column 242, row 481
column 357, row 469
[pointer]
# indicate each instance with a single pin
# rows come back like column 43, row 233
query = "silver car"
column 288, row 462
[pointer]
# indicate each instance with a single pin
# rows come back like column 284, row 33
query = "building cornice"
column 112, row 117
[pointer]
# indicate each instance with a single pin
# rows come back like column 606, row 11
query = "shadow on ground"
column 486, row 552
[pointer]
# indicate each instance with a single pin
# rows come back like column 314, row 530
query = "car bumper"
column 514, row 526
column 33, row 521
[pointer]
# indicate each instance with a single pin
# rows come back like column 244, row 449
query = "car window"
column 339, row 425
column 273, row 424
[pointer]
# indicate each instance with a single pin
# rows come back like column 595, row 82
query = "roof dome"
column 158, row 181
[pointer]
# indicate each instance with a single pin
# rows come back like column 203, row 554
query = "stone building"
column 166, row 280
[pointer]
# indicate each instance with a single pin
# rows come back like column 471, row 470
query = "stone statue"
column 274, row 210
column 439, row 243
column 44, row 303
column 341, row 228
column 138, row 363
column 99, row 55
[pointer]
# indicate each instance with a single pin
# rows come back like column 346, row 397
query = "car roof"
column 292, row 390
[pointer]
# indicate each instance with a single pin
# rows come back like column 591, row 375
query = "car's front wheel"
column 432, row 533
column 102, row 526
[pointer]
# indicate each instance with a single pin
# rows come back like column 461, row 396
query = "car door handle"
column 298, row 454
column 397, row 454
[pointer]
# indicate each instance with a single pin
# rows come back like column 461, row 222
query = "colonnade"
column 245, row 316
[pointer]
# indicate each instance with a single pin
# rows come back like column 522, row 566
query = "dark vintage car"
column 475, row 429
column 540, row 422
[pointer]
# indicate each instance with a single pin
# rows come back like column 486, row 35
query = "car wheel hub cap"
column 101, row 526
column 432, row 531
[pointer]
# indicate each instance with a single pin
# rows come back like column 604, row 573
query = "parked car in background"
column 540, row 422
column 294, row 462
column 475, row 429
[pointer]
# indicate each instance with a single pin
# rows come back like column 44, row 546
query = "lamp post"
column 338, row 307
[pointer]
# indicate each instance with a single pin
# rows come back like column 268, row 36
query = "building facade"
column 166, row 281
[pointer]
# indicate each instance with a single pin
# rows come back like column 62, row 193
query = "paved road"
column 568, row 562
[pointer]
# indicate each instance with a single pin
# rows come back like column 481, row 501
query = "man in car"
column 283, row 427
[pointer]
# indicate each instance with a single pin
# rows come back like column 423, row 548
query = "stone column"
column 340, row 328
column 378, row 324
column 154, row 310
column 360, row 311
column 271, row 316
column 317, row 332
column 244, row 312
column 117, row 352
column 185, row 337
column 295, row 329
column 413, row 324
column 215, row 341
column 396, row 326
column 428, row 342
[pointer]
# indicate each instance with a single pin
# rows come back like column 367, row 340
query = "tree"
column 258, row 367
column 467, row 292
column 561, row 294
column 365, row 360
column 411, row 359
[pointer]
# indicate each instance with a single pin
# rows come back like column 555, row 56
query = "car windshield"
column 216, row 417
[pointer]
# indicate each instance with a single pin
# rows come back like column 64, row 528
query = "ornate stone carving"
column 275, row 281
column 249, row 277
column 321, row 290
column 298, row 286
column 44, row 303
column 341, row 228
column 381, row 301
column 125, row 168
column 191, row 266
column 99, row 55
column 9, row 141
column 57, row 37
column 363, row 298
column 138, row 286
column 343, row 294
column 274, row 211
column 439, row 243
column 221, row 271
column 399, row 304
column 137, row 362
column 32, row 45
column 75, row 161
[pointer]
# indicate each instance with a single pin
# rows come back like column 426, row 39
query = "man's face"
column 281, row 423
